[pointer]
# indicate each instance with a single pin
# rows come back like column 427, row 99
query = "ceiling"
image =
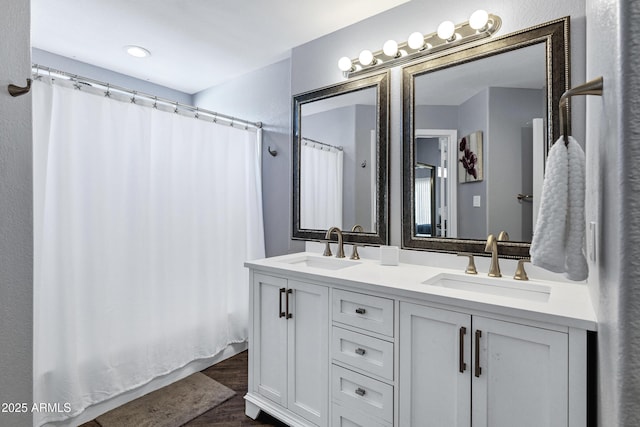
column 194, row 44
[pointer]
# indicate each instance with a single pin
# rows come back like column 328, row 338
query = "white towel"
column 548, row 244
column 558, row 240
column 576, row 263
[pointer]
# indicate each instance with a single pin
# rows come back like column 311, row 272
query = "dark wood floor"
column 232, row 373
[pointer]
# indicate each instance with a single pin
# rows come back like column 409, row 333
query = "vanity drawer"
column 363, row 352
column 362, row 393
column 348, row 417
column 363, row 311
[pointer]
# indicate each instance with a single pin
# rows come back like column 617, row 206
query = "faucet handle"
column 471, row 266
column 327, row 248
column 520, row 273
column 354, row 252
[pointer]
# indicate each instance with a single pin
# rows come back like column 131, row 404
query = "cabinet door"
column 524, row 375
column 308, row 358
column 270, row 338
column 433, row 390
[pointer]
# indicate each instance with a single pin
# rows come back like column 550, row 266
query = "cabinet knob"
column 361, row 310
column 360, row 391
column 360, row 351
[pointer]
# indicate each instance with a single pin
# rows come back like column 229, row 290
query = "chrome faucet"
column 327, row 250
column 492, row 246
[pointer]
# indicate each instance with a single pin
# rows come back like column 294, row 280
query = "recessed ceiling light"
column 137, row 51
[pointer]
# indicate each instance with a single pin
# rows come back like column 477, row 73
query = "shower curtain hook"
column 197, row 116
column 108, row 92
column 176, row 110
column 232, row 120
column 155, row 102
column 215, row 117
column 133, row 98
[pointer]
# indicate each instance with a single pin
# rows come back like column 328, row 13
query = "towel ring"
column 592, row 87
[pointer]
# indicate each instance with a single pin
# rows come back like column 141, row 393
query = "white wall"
column 613, row 155
column 16, row 220
column 313, row 65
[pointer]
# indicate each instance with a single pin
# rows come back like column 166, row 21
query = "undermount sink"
column 325, row 263
column 492, row 286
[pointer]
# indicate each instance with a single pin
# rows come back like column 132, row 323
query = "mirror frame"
column 380, row 82
column 555, row 35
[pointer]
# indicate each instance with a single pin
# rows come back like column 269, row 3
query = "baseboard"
column 196, row 366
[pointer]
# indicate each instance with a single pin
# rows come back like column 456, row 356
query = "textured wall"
column 613, row 152
column 265, row 95
column 16, row 223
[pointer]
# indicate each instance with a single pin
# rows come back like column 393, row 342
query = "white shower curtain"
column 143, row 220
column 423, row 201
column 321, row 178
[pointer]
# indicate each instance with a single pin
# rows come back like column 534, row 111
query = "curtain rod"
column 40, row 70
column 322, row 143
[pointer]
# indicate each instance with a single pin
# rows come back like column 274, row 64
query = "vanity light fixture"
column 137, row 51
column 480, row 25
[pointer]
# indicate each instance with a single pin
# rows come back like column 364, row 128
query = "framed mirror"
column 340, row 161
column 484, row 117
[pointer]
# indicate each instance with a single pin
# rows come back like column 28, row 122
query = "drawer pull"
column 361, row 310
column 360, row 351
column 360, row 391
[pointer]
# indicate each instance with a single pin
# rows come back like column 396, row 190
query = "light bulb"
column 415, row 40
column 366, row 57
column 478, row 19
column 446, row 30
column 390, row 48
column 344, row 64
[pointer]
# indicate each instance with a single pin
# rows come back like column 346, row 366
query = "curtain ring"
column 176, row 110
column 155, row 102
column 108, row 92
column 133, row 98
column 197, row 116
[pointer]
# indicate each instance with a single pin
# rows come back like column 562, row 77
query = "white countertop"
column 569, row 304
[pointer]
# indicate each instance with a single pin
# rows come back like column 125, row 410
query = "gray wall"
column 265, row 95
column 510, row 110
column 16, row 215
column 472, row 117
column 613, row 155
column 436, row 117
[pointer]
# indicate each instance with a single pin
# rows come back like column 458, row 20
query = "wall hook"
column 17, row 90
column 272, row 152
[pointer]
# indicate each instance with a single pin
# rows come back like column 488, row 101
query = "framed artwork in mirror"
column 470, row 157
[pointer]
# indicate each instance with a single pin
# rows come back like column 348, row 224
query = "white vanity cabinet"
column 358, row 344
column 458, row 369
column 289, row 350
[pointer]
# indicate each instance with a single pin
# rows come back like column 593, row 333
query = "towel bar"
column 593, row 87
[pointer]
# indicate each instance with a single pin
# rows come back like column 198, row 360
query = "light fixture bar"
column 432, row 43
